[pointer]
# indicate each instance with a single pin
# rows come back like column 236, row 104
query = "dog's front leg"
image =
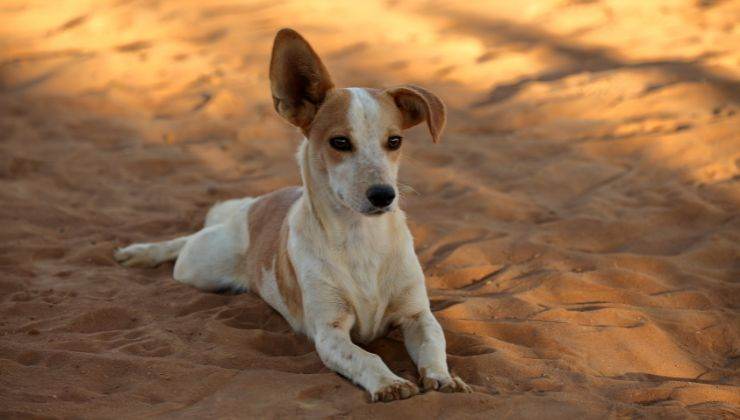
column 366, row 369
column 425, row 342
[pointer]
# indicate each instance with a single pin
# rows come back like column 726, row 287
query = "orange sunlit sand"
column 578, row 223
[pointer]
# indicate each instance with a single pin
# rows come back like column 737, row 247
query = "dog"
column 334, row 257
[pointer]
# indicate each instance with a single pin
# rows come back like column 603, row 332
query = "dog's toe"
column 429, row 384
column 398, row 390
column 120, row 255
column 445, row 384
column 134, row 256
column 456, row 385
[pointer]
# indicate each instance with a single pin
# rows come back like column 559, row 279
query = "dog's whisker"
column 405, row 189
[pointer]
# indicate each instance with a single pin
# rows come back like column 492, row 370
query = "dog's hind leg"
column 211, row 259
column 150, row 254
column 223, row 211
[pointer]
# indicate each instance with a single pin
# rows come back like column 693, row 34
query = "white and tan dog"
column 334, row 256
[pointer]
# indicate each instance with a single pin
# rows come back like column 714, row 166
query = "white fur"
column 351, row 267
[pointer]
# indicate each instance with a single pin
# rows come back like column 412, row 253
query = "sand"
column 578, row 224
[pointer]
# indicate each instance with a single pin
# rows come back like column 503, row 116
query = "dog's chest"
column 366, row 287
column 369, row 298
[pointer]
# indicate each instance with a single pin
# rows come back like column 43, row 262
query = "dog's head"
column 354, row 134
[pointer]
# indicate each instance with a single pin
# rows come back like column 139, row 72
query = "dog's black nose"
column 381, row 195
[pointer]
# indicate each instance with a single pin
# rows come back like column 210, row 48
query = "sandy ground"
column 578, row 224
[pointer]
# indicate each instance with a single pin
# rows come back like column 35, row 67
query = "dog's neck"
column 333, row 217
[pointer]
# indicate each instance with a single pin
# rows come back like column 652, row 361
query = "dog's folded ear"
column 298, row 79
column 418, row 104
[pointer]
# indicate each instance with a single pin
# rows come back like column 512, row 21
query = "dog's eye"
column 394, row 142
column 340, row 143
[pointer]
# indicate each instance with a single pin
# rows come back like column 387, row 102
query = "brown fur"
column 298, row 79
column 268, row 246
column 286, row 278
column 391, row 116
column 418, row 104
column 331, row 121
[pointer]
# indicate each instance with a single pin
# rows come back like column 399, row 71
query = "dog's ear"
column 298, row 79
column 418, row 104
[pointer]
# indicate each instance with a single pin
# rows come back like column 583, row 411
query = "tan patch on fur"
column 418, row 104
column 392, row 117
column 286, row 278
column 331, row 120
column 268, row 244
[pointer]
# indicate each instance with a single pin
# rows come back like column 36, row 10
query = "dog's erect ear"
column 418, row 104
column 298, row 79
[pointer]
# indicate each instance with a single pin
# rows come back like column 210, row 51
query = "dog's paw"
column 398, row 389
column 444, row 383
column 137, row 255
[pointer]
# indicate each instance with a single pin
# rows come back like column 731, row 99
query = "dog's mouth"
column 365, row 209
column 377, row 211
